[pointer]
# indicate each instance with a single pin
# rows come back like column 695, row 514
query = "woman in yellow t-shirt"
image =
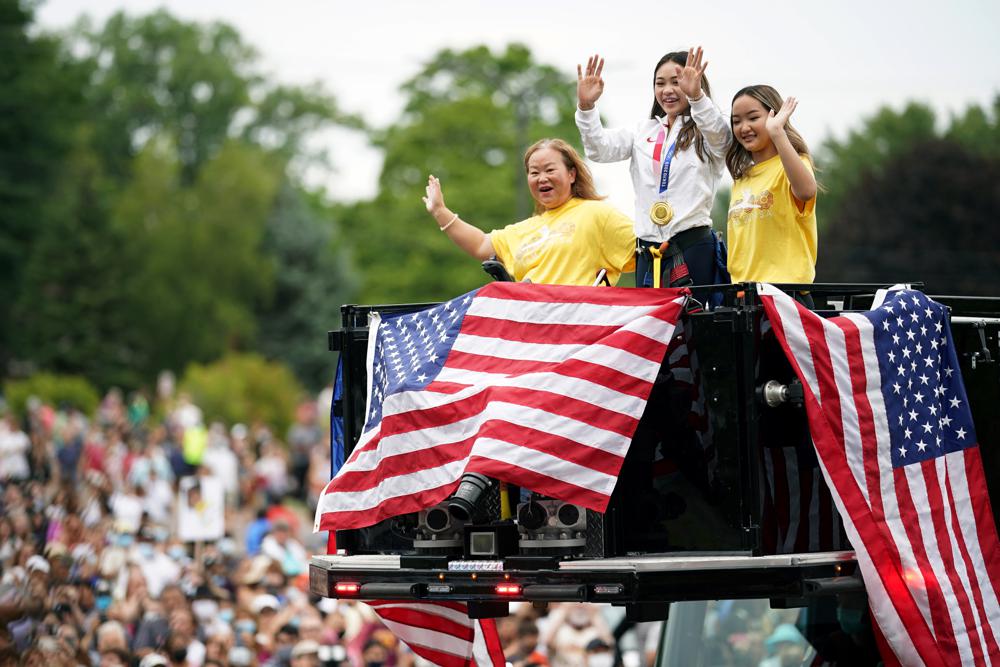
column 771, row 229
column 571, row 237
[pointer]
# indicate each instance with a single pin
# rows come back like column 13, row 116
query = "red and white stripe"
column 798, row 511
column 923, row 533
column 543, row 388
column 442, row 632
column 682, row 358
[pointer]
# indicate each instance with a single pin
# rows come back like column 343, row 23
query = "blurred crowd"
column 95, row 569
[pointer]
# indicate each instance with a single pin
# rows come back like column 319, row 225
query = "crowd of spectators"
column 94, row 570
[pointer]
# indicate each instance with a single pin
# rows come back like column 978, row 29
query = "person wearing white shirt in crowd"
column 158, row 502
column 127, row 508
column 187, row 414
column 150, row 472
column 158, row 569
column 272, row 469
column 220, row 459
column 282, row 548
column 14, row 447
column 676, row 159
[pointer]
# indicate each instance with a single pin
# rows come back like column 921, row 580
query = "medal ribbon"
column 657, row 150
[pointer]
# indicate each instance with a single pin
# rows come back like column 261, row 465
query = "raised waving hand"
column 776, row 122
column 434, row 200
column 470, row 239
column 800, row 177
column 589, row 84
column 690, row 79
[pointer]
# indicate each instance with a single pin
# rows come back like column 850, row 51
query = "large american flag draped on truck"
column 537, row 385
column 541, row 386
column 892, row 428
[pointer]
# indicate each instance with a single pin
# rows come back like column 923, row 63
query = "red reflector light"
column 347, row 588
column 508, row 589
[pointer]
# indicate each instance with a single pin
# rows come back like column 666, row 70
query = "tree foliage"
column 39, row 104
column 925, row 216
column 865, row 152
column 72, row 312
column 141, row 244
column 197, row 250
column 244, row 388
column 198, row 84
column 468, row 119
column 977, row 129
column 908, row 201
column 314, row 276
column 69, row 390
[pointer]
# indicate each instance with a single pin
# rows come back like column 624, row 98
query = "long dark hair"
column 689, row 131
column 738, row 159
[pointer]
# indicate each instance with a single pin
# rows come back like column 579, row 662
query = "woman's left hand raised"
column 434, row 199
column 776, row 122
column 690, row 79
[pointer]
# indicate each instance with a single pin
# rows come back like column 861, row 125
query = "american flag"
column 537, row 385
column 798, row 511
column 682, row 358
column 442, row 632
column 891, row 424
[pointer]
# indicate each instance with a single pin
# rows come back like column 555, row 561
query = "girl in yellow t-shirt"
column 772, row 211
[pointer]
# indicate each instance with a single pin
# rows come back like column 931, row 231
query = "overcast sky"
column 842, row 59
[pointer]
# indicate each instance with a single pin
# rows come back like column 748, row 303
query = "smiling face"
column 666, row 91
column 549, row 179
column 749, row 125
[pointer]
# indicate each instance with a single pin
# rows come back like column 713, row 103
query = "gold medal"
column 661, row 213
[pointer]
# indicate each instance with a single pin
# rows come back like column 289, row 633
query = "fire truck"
column 720, row 496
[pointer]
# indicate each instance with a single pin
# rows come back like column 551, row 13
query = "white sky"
column 842, row 59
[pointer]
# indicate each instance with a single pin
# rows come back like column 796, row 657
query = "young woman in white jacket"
column 677, row 156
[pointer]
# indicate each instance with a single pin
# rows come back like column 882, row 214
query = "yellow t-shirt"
column 769, row 238
column 568, row 245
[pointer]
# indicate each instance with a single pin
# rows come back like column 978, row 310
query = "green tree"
column 910, row 201
column 720, row 209
column 39, row 105
column 313, row 277
column 468, row 119
column 198, row 84
column 864, row 153
column 926, row 216
column 52, row 389
column 244, row 388
column 978, row 129
column 198, row 251
column 151, row 253
column 72, row 313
